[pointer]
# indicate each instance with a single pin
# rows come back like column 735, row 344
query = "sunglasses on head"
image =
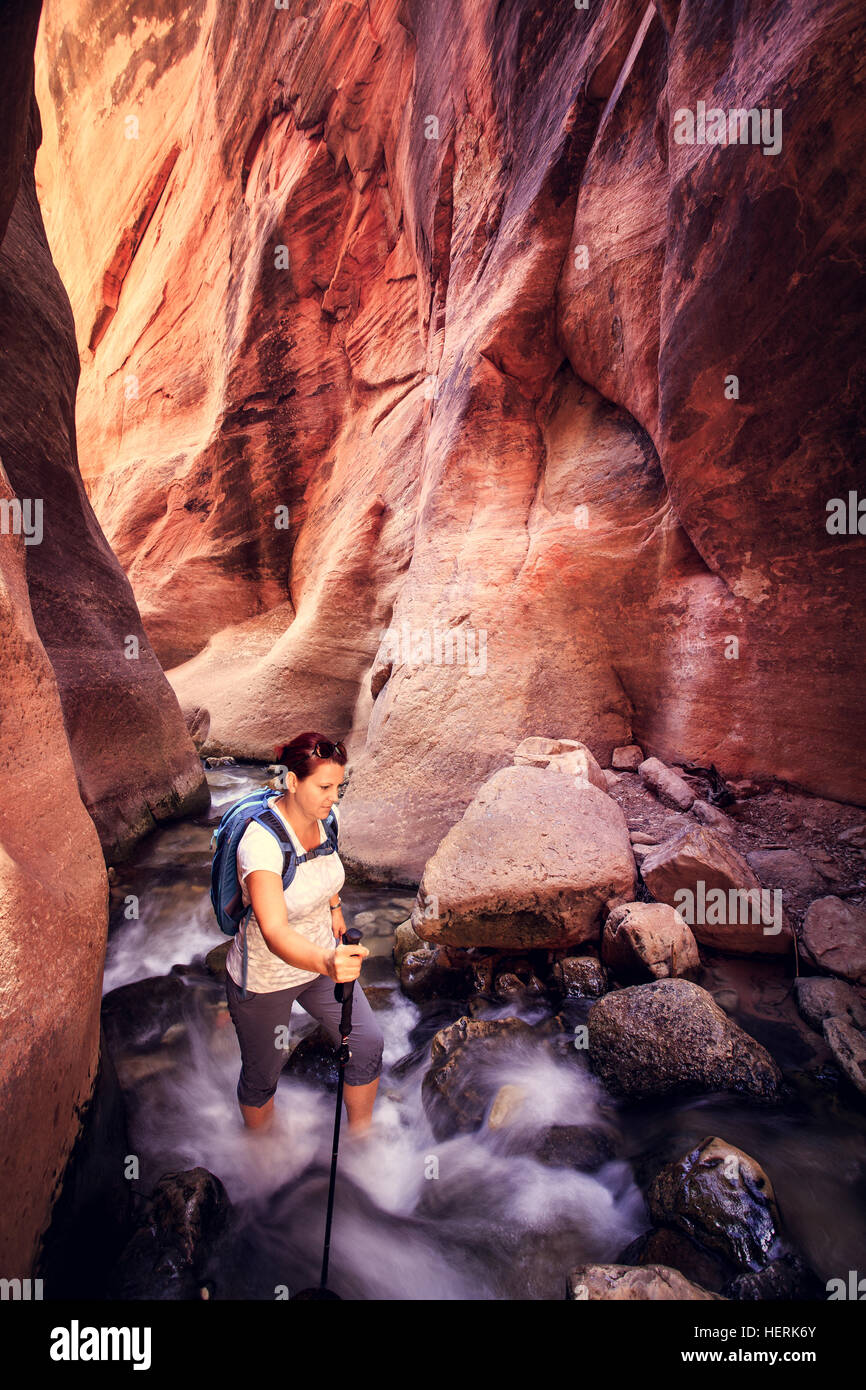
column 325, row 749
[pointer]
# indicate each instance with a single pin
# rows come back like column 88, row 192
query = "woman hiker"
column 293, row 942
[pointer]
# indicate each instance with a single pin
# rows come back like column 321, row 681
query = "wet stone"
column 723, row 1199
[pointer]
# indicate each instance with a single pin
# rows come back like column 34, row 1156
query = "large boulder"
column 670, row 1037
column 53, row 927
column 531, row 864
column 646, row 941
column 715, row 891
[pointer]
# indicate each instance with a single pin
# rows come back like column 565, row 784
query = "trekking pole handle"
column 343, row 992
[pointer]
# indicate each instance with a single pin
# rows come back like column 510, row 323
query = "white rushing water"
column 473, row 1216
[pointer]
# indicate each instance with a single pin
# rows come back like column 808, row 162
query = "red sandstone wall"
column 474, row 426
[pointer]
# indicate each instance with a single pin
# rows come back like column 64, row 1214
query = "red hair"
column 298, row 756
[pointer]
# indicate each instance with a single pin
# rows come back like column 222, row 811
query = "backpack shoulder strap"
column 331, row 826
column 271, row 821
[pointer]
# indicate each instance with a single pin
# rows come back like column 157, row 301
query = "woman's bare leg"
column 359, row 1105
column 258, row 1116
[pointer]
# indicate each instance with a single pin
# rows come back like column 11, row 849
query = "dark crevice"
column 252, row 150
column 124, row 254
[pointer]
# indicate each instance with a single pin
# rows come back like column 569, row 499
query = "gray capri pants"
column 257, row 1017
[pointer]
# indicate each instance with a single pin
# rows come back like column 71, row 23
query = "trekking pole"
column 342, row 993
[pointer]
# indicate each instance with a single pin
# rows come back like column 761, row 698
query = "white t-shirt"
column 307, row 898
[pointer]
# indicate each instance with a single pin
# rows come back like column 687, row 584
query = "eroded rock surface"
column 93, row 746
column 425, row 369
column 135, row 761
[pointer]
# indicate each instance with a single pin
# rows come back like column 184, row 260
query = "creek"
column 475, row 1216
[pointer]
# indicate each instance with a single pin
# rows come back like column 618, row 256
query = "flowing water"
column 473, row 1217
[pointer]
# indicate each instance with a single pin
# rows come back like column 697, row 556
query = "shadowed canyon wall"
column 135, row 761
column 403, row 325
column 82, row 727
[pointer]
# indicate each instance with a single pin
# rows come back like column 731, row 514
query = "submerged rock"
column 663, row 1245
column 193, row 1205
column 654, row 1283
column 138, row 1015
column 722, row 1198
column 314, row 1059
column 379, row 997
column 455, row 1091
column 848, row 1046
column 167, row 1256
column 670, row 1037
column 510, row 1100
column 585, row 1147
column 431, row 973
column 579, row 976
column 783, row 1279
column 820, row 997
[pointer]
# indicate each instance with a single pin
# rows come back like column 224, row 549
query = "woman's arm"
column 342, row 963
column 337, row 923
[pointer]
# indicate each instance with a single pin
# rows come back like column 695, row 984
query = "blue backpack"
column 225, row 889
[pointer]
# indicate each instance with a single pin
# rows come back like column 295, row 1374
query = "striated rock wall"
column 53, row 924
column 53, row 917
column 404, row 324
column 81, row 727
column 135, row 761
